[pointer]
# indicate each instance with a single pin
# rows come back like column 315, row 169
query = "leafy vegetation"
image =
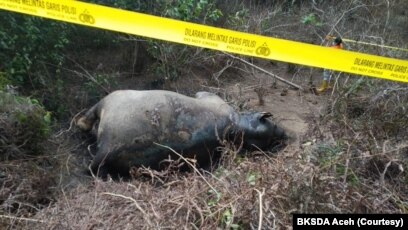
column 352, row 159
column 25, row 124
column 311, row 19
column 28, row 46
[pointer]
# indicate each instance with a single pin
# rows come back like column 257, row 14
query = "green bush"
column 24, row 125
column 29, row 44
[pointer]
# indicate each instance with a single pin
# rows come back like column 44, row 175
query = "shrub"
column 24, row 125
column 27, row 44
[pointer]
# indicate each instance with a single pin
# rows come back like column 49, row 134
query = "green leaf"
column 47, row 118
column 34, row 101
column 251, row 179
column 227, row 216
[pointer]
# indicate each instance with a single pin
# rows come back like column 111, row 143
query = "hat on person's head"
column 338, row 40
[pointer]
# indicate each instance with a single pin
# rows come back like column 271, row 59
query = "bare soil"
column 295, row 110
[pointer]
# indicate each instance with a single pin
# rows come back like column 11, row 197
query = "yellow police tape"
column 211, row 37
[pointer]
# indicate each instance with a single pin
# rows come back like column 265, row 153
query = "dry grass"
column 361, row 170
column 357, row 164
column 258, row 192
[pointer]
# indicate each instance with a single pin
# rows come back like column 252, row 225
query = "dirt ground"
column 292, row 111
column 297, row 111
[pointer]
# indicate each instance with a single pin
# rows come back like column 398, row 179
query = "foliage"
column 172, row 59
column 193, row 11
column 25, row 125
column 311, row 19
column 86, row 39
column 98, row 83
column 252, row 177
column 124, row 4
column 4, row 81
column 333, row 158
column 28, row 45
column 239, row 19
column 32, row 56
column 203, row 11
column 169, row 61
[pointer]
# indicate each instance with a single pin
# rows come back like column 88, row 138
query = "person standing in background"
column 337, row 44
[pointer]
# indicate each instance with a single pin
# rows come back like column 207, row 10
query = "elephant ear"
column 264, row 115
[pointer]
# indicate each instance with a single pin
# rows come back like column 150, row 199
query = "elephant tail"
column 87, row 121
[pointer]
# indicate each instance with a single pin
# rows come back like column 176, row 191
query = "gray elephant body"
column 132, row 124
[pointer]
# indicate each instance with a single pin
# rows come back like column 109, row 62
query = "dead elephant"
column 132, row 122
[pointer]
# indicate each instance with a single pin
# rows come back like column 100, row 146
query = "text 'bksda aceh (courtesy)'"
column 348, row 221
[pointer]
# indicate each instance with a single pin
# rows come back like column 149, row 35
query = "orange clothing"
column 327, row 73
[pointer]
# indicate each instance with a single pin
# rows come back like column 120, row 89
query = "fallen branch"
column 267, row 72
column 22, row 218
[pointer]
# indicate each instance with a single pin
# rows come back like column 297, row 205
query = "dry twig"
column 22, row 219
column 260, row 207
column 267, row 72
